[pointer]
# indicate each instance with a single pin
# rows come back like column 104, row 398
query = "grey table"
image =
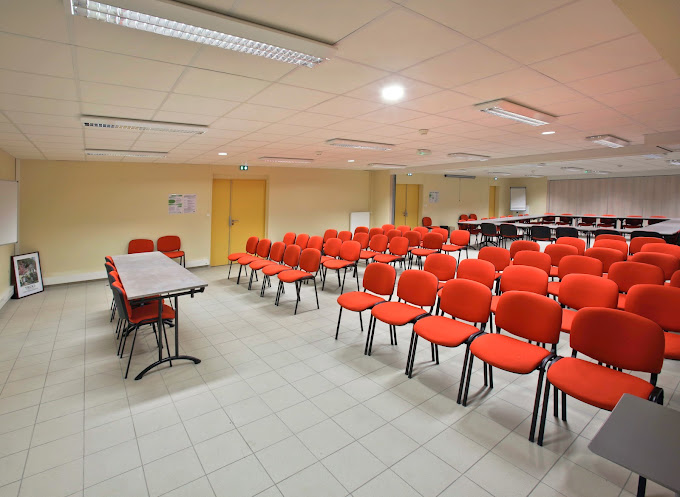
column 644, row 437
column 152, row 276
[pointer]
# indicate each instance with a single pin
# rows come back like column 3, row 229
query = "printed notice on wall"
column 175, row 203
column 434, row 197
column 189, row 203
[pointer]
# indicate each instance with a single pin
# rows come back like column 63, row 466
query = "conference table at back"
column 152, row 277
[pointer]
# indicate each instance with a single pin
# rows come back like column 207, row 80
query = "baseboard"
column 6, row 295
column 98, row 275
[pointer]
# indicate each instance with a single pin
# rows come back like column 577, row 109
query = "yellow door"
column 493, row 208
column 400, row 205
column 407, row 205
column 238, row 212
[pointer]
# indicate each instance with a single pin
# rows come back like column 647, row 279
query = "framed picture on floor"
column 27, row 275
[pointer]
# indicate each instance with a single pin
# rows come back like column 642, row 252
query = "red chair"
column 637, row 243
column 403, row 229
column 460, row 239
column 668, row 263
column 392, row 234
column 463, row 300
column 660, row 304
column 477, row 270
column 362, row 238
column 397, row 248
column 463, row 225
column 315, row 242
column 584, row 290
column 387, row 227
column 422, row 230
column 574, row 242
column 378, row 283
column 607, row 221
column 329, row 233
column 275, row 257
column 432, row 243
column 251, row 247
column 291, row 260
column 518, row 245
column 548, row 218
column 262, row 252
column 530, row 317
column 632, row 222
column 611, row 236
column 170, row 245
column 289, row 238
column 331, row 249
column 619, row 339
column 656, row 219
column 442, row 231
column 557, row 252
column 498, row 256
column 302, row 240
column 349, row 256
column 564, row 219
column 417, row 289
column 140, row 245
column 613, row 244
column 376, row 245
column 520, row 278
column 675, row 280
column 607, row 256
column 472, row 217
column 443, row 266
column 375, row 231
column 628, row 274
column 345, row 235
column 661, row 248
column 310, row 260
column 427, row 222
column 574, row 264
column 361, row 229
column 588, row 220
column 538, row 260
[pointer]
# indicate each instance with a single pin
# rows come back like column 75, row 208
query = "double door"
column 407, row 205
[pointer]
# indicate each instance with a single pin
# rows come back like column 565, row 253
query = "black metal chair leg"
column 564, row 406
column 316, row 294
column 410, row 351
column 413, row 355
column 361, row 322
column 537, row 403
column 544, row 412
column 642, row 486
column 337, row 330
column 132, row 349
column 461, row 383
column 467, row 381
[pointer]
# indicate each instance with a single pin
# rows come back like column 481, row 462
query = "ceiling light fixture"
column 608, row 141
column 350, row 160
column 392, row 93
column 286, row 160
column 409, row 174
column 208, row 28
column 602, row 173
column 674, row 162
column 221, row 153
column 380, row 165
column 572, row 169
column 466, row 156
column 498, row 173
column 533, row 176
column 516, row 112
column 138, row 125
column 548, row 133
column 358, row 144
column 124, row 153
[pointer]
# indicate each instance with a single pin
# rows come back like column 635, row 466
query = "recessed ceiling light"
column 392, row 93
column 230, row 33
column 516, row 112
column 674, row 162
column 466, row 156
column 533, row 176
column 409, row 174
column 548, row 133
column 124, row 153
column 350, row 160
column 498, row 173
column 572, row 169
column 602, row 173
column 139, row 125
column 358, row 144
column 221, row 153
column 608, row 141
column 381, row 165
column 286, row 160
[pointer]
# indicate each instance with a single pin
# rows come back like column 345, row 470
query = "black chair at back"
column 540, row 233
column 653, row 234
column 489, row 234
column 561, row 231
column 509, row 232
column 605, row 231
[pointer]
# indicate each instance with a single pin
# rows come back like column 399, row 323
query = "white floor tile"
column 507, row 479
column 222, row 450
column 314, row 481
column 245, row 478
column 285, row 458
column 172, row 472
column 130, row 484
column 353, row 466
column 425, row 472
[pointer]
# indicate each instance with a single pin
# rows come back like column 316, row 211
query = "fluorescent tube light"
column 459, row 176
column 138, row 125
column 674, row 162
column 124, row 153
column 572, row 169
column 208, row 28
column 498, row 173
column 516, row 112
column 533, row 176
column 548, row 133
column 287, row 160
column 380, row 165
column 466, row 156
column 602, row 173
column 608, row 141
column 361, row 145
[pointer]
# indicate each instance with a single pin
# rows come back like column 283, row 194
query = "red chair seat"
column 387, row 258
column 452, row 248
column 260, row 263
column 423, row 252
column 273, row 269
column 494, row 303
column 567, row 319
column 508, row 353
column 672, row 350
column 596, row 385
column 149, row 312
column 396, row 313
column 294, row 275
column 622, row 301
column 325, row 258
column 367, row 254
column 554, row 287
column 358, row 301
column 174, row 254
column 337, row 264
column 553, row 272
column 444, row 331
column 237, row 256
column 247, row 259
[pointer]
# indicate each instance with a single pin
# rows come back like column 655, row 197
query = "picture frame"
column 27, row 275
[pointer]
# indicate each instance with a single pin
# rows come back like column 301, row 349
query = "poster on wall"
column 175, row 203
column 434, row 197
column 189, row 203
column 27, row 275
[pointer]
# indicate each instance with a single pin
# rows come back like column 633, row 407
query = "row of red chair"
column 170, row 245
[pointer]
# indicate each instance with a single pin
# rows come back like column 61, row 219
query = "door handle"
column 233, row 222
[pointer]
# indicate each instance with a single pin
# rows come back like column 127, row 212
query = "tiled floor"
column 277, row 407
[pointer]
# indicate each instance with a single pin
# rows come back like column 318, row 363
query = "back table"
column 152, row 276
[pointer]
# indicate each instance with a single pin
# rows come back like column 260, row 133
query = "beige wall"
column 75, row 213
column 7, row 172
column 380, row 198
column 537, row 195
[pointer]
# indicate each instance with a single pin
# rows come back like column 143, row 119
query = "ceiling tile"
column 20, row 53
column 353, row 125
column 412, row 89
column 439, row 102
column 218, row 85
column 501, row 85
column 391, row 115
column 260, row 113
column 286, row 129
column 240, row 64
column 345, row 107
column 116, row 111
column 643, row 93
column 427, row 122
column 21, row 18
column 311, row 119
column 32, row 129
column 229, row 123
column 382, row 43
column 642, row 75
column 183, row 117
column 335, row 76
column 197, row 105
column 556, row 33
column 289, row 97
column 35, row 85
column 99, row 93
column 43, row 119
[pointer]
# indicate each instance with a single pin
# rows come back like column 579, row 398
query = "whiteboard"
column 518, row 198
column 8, row 212
column 358, row 219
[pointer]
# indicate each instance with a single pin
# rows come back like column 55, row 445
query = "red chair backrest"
column 531, row 316
column 661, row 248
column 392, row 233
column 140, row 245
column 332, row 247
column 627, row 274
column 251, row 244
column 310, row 260
column 668, row 263
column 109, row 259
column 345, row 235
column 315, row 242
column 387, row 227
column 498, row 256
column 398, row 246
column 656, row 302
column 330, row 233
column 613, row 244
column 472, row 217
column 524, row 278
column 350, row 250
column 362, row 238
column 291, row 256
column 427, row 221
column 579, row 264
column 277, row 251
column 263, row 247
column 378, row 243
column 609, row 236
column 361, row 229
column 443, row 232
column 538, row 260
column 636, row 244
column 403, row 228
column 584, row 290
column 460, row 238
column 675, row 279
column 417, row 287
column 518, row 245
column 289, row 238
column 375, row 231
column 433, row 241
column 558, row 251
column 618, row 338
column 302, row 240
column 463, row 217
column 422, row 230
column 414, row 238
column 607, row 256
column 467, row 300
column 122, row 295
column 443, row 266
column 574, row 242
column 477, row 270
column 168, row 243
column 379, row 278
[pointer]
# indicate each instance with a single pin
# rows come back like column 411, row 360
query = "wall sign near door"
column 27, row 275
column 179, row 203
column 434, row 197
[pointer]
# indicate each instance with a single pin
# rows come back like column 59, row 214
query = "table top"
column 668, row 227
column 153, row 273
column 644, row 437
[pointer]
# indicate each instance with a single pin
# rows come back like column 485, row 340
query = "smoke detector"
column 423, row 131
column 424, row 151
